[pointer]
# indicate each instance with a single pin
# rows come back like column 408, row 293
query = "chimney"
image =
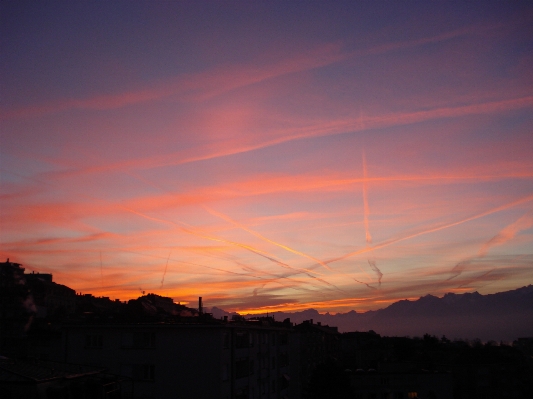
column 311, row 321
column 225, row 319
column 200, row 308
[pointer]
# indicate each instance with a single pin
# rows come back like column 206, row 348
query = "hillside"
column 501, row 316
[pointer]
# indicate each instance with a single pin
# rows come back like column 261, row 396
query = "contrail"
column 192, row 232
column 243, row 246
column 165, row 272
column 279, row 277
column 368, row 236
column 365, row 201
column 432, row 230
column 361, row 282
column 260, row 236
column 458, row 269
column 257, row 289
column 474, row 279
column 101, row 270
column 228, row 219
column 506, row 234
column 373, row 266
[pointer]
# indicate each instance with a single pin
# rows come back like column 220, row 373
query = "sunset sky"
column 269, row 155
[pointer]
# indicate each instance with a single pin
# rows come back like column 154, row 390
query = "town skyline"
column 271, row 156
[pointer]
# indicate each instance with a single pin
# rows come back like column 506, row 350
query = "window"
column 252, row 367
column 242, row 368
column 242, row 393
column 94, row 341
column 147, row 372
column 144, row 340
column 284, row 338
column 283, row 360
column 242, row 340
column 225, row 340
column 138, row 340
column 284, row 381
column 225, row 372
column 139, row 372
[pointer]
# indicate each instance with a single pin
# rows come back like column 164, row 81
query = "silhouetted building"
column 51, row 299
column 37, row 379
column 315, row 344
column 16, row 308
column 524, row 345
column 87, row 303
column 372, row 384
column 362, row 349
column 193, row 359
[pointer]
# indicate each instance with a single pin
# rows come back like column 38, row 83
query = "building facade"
column 232, row 360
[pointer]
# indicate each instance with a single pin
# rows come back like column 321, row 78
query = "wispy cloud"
column 204, row 85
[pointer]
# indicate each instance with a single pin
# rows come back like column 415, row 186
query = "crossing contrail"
column 431, row 230
column 260, row 236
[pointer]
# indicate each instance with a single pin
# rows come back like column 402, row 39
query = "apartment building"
column 250, row 359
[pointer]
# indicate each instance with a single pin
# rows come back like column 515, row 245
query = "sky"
column 269, row 155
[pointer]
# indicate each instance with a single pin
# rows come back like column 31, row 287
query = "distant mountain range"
column 502, row 316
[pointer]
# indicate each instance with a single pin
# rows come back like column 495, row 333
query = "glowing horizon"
column 269, row 156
